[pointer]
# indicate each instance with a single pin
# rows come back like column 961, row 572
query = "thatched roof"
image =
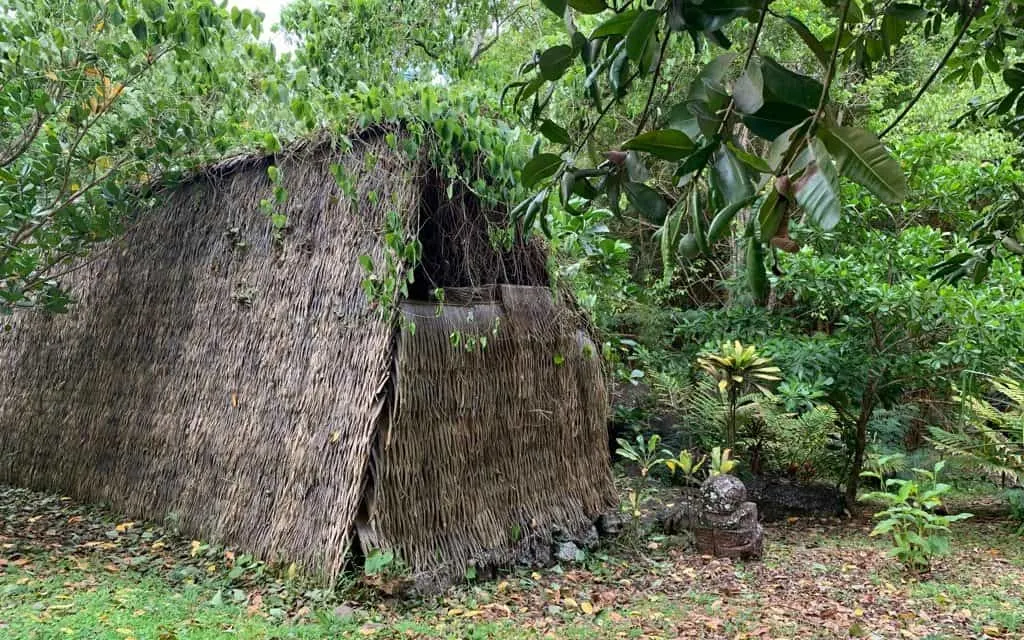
column 239, row 384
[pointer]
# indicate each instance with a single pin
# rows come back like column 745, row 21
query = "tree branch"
column 931, row 78
column 654, row 83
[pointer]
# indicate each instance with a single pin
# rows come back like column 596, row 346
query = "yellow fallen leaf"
column 858, row 612
column 195, row 547
column 99, row 25
column 570, row 602
column 124, row 526
column 335, row 436
column 502, row 586
column 587, row 608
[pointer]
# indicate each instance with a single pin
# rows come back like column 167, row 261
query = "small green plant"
column 646, row 456
column 379, row 562
column 1015, row 498
column 721, row 462
column 918, row 533
column 685, row 463
column 274, row 208
column 738, row 370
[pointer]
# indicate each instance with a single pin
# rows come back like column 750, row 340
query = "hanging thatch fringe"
column 239, row 384
column 508, row 394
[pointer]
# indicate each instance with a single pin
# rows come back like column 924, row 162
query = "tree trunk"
column 867, row 407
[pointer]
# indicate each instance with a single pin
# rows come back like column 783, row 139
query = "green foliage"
column 380, row 561
column 98, row 99
column 645, row 453
column 686, row 464
column 1015, row 499
column 989, row 437
column 803, row 445
column 737, row 369
column 918, row 533
column 721, row 462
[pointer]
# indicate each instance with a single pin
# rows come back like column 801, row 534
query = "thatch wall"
column 246, row 388
column 520, row 422
column 233, row 386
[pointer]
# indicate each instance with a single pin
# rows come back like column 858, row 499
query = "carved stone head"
column 722, row 494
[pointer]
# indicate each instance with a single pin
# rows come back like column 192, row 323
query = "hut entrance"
column 466, row 244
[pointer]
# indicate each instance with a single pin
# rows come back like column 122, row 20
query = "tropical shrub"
column 917, row 531
column 989, row 437
column 737, row 370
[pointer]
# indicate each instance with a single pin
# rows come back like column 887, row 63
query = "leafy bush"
column 910, row 517
column 1015, row 498
column 738, row 370
column 989, row 437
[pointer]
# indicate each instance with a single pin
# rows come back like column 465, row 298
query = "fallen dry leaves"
column 819, row 579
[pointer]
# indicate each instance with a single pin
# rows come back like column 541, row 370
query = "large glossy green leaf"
column 696, row 160
column 729, row 177
column 817, row 189
column 789, row 87
column 554, row 132
column 540, row 167
column 861, row 157
column 775, row 118
column 617, row 25
column 906, row 11
column 667, row 144
column 748, row 90
column 710, row 76
column 680, row 117
column 555, row 61
column 646, row 201
column 720, row 223
column 769, row 216
column 556, row 6
column 640, row 32
column 589, row 7
column 1014, row 77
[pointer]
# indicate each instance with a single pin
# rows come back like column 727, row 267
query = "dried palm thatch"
column 246, row 386
column 504, row 392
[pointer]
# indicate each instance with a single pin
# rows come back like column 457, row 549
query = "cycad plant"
column 738, row 370
column 987, row 437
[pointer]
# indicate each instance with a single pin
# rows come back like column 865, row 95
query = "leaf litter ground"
column 73, row 571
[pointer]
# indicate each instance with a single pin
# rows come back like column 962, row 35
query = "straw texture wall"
column 233, row 386
column 247, row 388
column 519, row 423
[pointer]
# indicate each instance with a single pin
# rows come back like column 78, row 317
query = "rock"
column 566, row 552
column 344, row 611
column 778, row 499
column 609, row 524
column 588, row 538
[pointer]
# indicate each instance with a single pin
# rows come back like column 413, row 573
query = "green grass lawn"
column 68, row 571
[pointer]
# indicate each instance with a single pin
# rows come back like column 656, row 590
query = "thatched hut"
column 244, row 382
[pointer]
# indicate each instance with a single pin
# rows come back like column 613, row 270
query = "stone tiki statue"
column 723, row 523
